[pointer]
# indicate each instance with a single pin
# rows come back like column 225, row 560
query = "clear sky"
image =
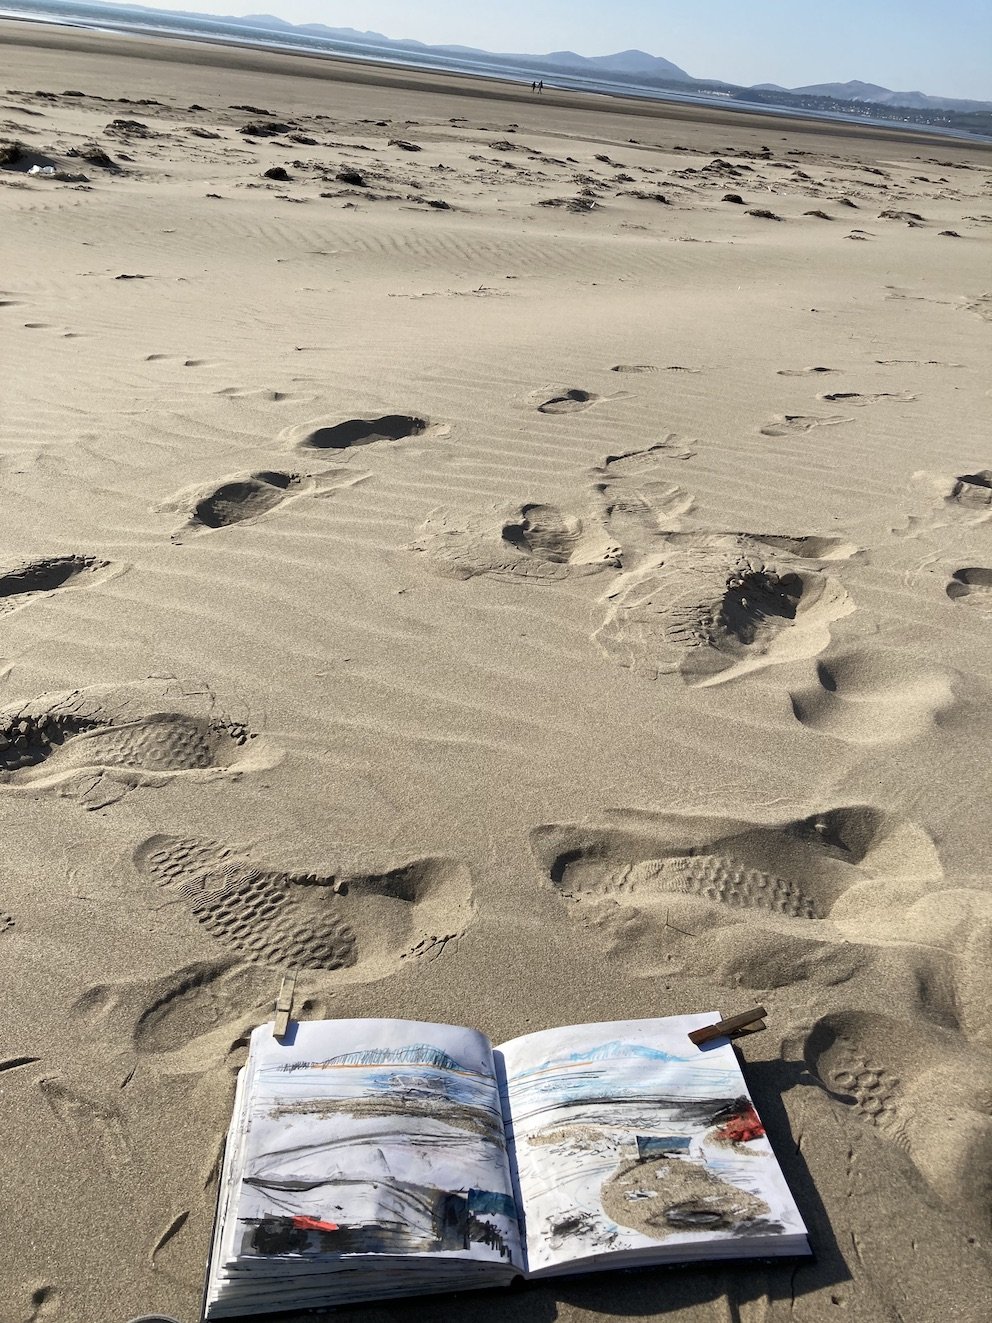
column 943, row 47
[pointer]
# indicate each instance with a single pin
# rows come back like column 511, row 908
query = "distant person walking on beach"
column 540, row 87
column 533, row 87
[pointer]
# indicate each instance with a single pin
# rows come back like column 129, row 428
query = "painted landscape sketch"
column 390, row 1143
column 626, row 1137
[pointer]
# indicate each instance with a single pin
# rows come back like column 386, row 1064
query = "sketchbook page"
column 628, row 1140
column 371, row 1137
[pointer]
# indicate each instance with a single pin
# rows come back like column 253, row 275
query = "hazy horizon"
column 905, row 46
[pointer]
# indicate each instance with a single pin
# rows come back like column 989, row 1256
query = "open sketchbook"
column 369, row 1159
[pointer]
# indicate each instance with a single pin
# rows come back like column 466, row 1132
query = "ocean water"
column 125, row 18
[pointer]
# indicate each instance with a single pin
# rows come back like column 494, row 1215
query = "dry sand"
column 514, row 613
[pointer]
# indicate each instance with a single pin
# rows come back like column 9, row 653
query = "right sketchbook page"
column 628, row 1140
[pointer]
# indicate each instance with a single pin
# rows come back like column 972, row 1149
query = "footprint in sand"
column 640, row 502
column 363, row 923
column 21, row 584
column 791, row 424
column 916, row 362
column 972, row 587
column 45, row 1304
column 966, row 498
column 181, row 1010
column 714, row 606
column 806, row 372
column 919, row 1087
column 96, row 744
column 634, row 368
column 245, row 497
column 97, row 1125
column 638, row 515
column 802, row 880
column 638, row 465
column 972, row 490
column 798, row 869
column 981, row 305
column 873, row 697
column 531, row 542
column 566, row 400
column 328, row 435
column 858, row 400
column 825, row 902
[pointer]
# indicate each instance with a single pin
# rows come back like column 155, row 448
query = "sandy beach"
column 540, row 549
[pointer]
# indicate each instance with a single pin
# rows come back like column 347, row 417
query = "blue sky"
column 943, row 47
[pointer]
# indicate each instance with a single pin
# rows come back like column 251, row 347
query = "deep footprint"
column 21, row 584
column 919, row 1087
column 719, row 878
column 247, row 496
column 806, row 372
column 637, row 465
column 174, row 1012
column 973, row 585
column 641, row 880
column 791, row 424
column 544, row 532
column 873, row 696
column 853, row 397
column 360, row 432
column 130, row 730
column 166, row 742
column 531, row 542
column 572, row 400
column 715, row 608
column 973, row 490
column 233, row 502
column 307, row 920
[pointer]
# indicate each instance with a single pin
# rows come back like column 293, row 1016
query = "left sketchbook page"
column 368, row 1137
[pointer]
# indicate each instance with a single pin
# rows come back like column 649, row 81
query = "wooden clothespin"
column 284, row 1005
column 734, row 1026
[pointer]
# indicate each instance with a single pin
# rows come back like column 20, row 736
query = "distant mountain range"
column 877, row 96
column 629, row 64
column 633, row 70
column 632, row 64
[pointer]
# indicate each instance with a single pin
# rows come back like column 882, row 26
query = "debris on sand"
column 570, row 204
column 95, row 155
column 130, row 128
column 272, row 129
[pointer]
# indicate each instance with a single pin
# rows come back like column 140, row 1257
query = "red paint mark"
column 313, row 1224
column 746, row 1125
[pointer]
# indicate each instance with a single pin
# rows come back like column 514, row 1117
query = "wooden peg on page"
column 284, row 1005
column 748, row 1022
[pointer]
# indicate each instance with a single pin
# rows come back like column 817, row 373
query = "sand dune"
column 512, row 584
